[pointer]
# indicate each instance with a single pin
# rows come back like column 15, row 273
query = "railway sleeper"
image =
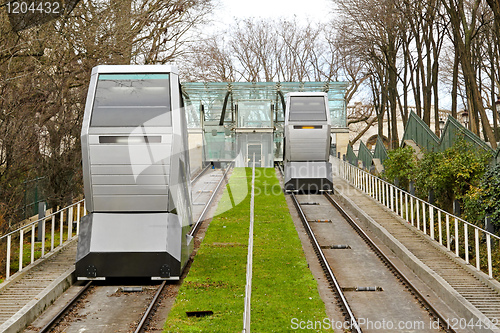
column 362, row 288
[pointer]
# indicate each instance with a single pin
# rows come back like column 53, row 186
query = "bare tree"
column 346, row 60
column 263, row 50
column 464, row 26
column 44, row 76
column 209, row 60
column 495, row 7
column 254, row 45
column 373, row 26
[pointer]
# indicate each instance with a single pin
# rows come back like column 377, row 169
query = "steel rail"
column 248, row 286
column 196, row 226
column 194, row 230
column 414, row 290
column 195, row 179
column 48, row 327
column 149, row 310
column 326, row 267
column 280, row 168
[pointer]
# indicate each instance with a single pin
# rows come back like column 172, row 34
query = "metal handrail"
column 31, row 227
column 43, row 218
column 249, row 267
column 392, row 197
column 194, row 228
column 427, row 203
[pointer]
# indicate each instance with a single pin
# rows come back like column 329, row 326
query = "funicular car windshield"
column 130, row 100
column 307, row 108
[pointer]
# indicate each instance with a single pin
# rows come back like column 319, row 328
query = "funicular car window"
column 130, row 100
column 304, row 108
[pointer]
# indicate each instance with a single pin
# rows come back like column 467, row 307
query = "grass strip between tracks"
column 283, row 288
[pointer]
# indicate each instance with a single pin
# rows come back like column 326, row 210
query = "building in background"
column 369, row 138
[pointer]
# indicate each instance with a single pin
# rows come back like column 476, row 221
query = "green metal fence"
column 365, row 155
column 380, row 150
column 453, row 130
column 417, row 131
column 351, row 156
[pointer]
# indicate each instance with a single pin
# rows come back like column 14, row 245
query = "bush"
column 451, row 173
column 401, row 164
column 485, row 199
column 491, row 193
column 473, row 206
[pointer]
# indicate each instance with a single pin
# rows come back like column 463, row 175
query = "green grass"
column 283, row 288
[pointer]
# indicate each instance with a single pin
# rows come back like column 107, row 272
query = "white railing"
column 465, row 239
column 65, row 232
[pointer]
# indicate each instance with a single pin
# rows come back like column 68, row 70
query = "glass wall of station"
column 227, row 112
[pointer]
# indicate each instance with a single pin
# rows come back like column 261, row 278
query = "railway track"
column 470, row 293
column 60, row 315
column 313, row 211
column 112, row 302
column 212, row 193
column 342, row 301
column 92, row 291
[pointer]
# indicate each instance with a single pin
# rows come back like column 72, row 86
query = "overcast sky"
column 315, row 10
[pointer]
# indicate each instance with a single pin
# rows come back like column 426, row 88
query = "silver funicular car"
column 307, row 143
column 136, row 175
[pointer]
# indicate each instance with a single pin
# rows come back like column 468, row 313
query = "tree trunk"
column 404, row 109
column 492, row 52
column 427, row 87
column 463, row 47
column 454, row 86
column 435, row 86
column 378, row 104
column 360, row 134
column 495, row 7
column 476, row 98
column 393, row 93
column 124, row 37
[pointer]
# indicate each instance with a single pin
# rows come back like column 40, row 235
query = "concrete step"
column 33, row 285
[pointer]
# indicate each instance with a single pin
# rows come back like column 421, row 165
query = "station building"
column 239, row 120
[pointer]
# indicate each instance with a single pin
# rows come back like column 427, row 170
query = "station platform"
column 470, row 293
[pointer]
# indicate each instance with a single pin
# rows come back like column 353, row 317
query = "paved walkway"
column 39, row 285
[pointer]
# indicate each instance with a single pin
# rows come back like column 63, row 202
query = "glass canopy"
column 227, row 111
column 260, row 102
